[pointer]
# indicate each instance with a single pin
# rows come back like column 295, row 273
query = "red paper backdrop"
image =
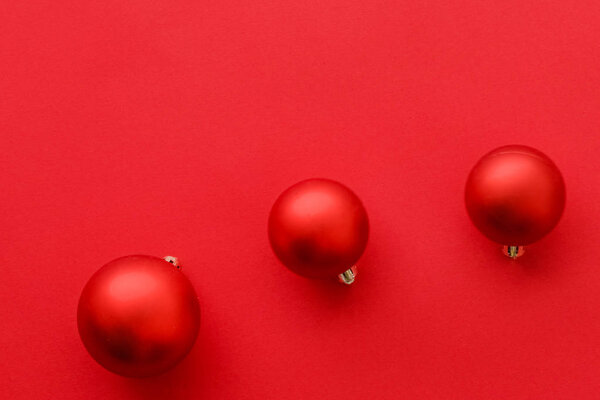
column 170, row 127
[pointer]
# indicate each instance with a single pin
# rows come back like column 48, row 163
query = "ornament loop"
column 348, row 276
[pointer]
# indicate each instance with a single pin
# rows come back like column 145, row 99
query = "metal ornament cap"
column 347, row 277
column 513, row 252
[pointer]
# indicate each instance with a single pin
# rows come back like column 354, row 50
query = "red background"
column 169, row 128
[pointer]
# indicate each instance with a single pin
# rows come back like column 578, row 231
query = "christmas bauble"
column 318, row 228
column 515, row 195
column 138, row 315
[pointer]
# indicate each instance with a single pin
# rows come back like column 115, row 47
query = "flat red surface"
column 170, row 127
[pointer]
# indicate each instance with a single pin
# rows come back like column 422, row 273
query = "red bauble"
column 515, row 195
column 138, row 316
column 318, row 228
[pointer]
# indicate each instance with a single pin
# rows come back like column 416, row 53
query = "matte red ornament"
column 319, row 228
column 138, row 315
column 515, row 195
